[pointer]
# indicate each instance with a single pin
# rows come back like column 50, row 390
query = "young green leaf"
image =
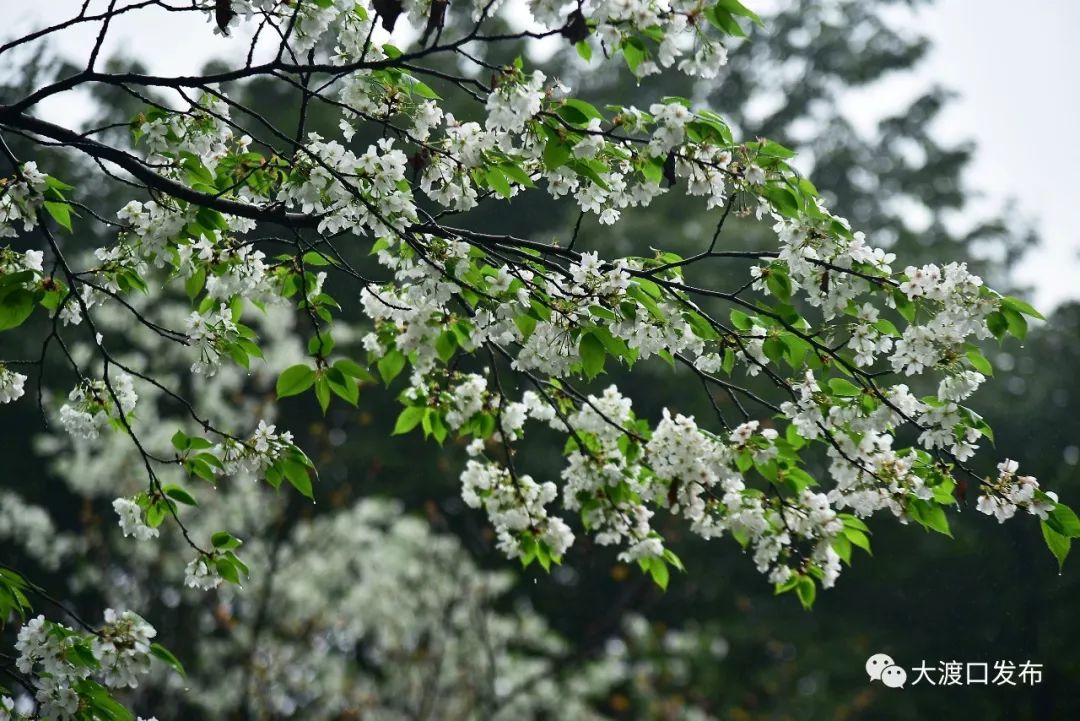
column 295, row 380
column 1058, row 543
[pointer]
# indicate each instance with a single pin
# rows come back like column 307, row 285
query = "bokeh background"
column 944, row 131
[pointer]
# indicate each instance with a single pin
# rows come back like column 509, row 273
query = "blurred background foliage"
column 990, row 594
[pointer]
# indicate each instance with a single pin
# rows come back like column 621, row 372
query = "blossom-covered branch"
column 824, row 358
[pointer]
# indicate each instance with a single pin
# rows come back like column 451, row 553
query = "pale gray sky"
column 1015, row 67
column 1013, row 63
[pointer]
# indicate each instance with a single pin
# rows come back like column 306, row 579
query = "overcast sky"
column 1014, row 65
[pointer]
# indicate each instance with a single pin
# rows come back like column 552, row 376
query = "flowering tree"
column 267, row 236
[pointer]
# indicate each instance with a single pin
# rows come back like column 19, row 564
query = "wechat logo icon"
column 881, row 667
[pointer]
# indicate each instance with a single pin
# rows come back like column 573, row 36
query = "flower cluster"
column 21, row 199
column 261, row 451
column 352, row 191
column 516, row 506
column 212, row 335
column 1010, row 491
column 132, row 522
column 43, row 648
column 201, row 573
column 961, row 313
column 513, row 103
column 12, row 261
column 122, row 647
column 91, row 405
column 61, row 660
column 11, row 385
column 7, row 709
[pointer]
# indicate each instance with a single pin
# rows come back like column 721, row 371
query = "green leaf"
column 886, row 326
column 390, row 365
column 931, row 516
column 295, row 380
column 556, row 153
column 424, row 90
column 842, row 546
column 83, row 656
column 1059, row 544
column 225, row 541
column 177, row 493
column 156, row 649
column 573, row 115
column 322, row 392
column 529, row 548
column 737, row 8
column 659, row 572
column 858, row 538
column 12, row 279
column 445, row 345
column 741, row 320
column 843, row 387
column 298, row 477
column 724, row 21
column 634, row 52
column 198, row 466
column 98, row 703
column 1020, row 306
column 353, row 370
column 194, row 284
column 180, row 441
column 674, row 560
column 408, row 419
column 155, row 514
column 853, row 522
column 1063, row 520
column 343, row 386
column 593, row 355
column 586, row 109
column 314, row 257
column 320, row 346
column 783, row 200
column 779, row 284
column 701, row 327
column 590, row 170
column 16, row 305
column 806, row 590
column 194, row 443
column 904, row 306
column 728, row 364
column 60, row 212
column 497, row 181
column 774, row 348
column 57, row 184
column 1015, row 322
column 797, row 348
column 515, row 173
column 211, row 219
column 997, row 324
column 791, row 435
column 227, row 570
column 978, row 362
